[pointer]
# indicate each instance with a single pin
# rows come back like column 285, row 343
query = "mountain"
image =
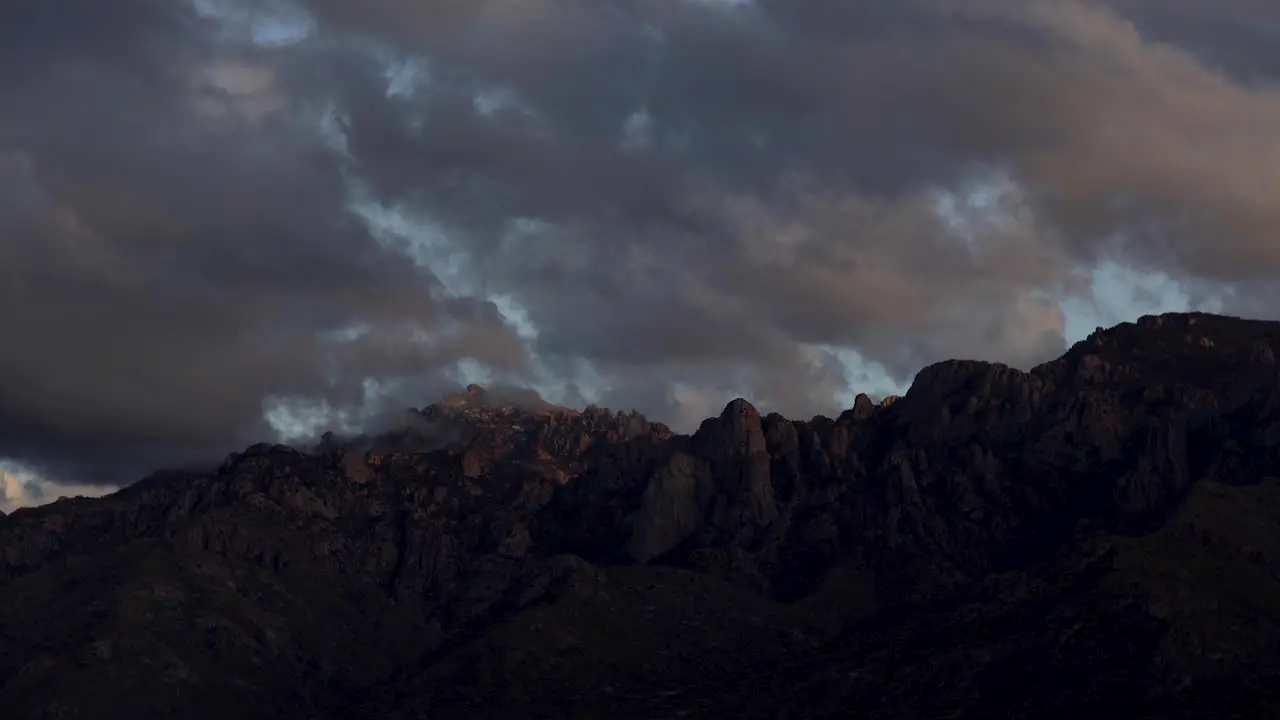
column 1098, row 537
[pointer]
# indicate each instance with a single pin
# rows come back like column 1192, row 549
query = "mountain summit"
column 1095, row 537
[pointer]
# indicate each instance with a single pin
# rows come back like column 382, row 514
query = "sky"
column 224, row 221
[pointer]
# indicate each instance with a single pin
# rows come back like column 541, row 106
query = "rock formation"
column 1095, row 537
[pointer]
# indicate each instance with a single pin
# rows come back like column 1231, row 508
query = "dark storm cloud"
column 689, row 199
column 653, row 251
column 1238, row 37
column 1105, row 132
column 779, row 190
column 174, row 241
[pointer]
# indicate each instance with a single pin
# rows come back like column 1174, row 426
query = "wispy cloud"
column 20, row 488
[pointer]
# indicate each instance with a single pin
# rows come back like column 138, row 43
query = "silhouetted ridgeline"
column 1095, row 537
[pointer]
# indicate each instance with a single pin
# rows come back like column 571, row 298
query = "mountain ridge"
column 507, row 560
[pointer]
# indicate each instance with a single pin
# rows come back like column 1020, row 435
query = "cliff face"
column 1097, row 535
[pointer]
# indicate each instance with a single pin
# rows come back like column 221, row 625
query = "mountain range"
column 1096, row 537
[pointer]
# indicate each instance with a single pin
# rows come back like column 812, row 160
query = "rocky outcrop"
column 905, row 556
column 738, row 459
column 671, row 508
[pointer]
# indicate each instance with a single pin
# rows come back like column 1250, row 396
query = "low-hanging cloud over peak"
column 223, row 217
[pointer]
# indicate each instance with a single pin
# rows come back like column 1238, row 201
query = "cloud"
column 19, row 489
column 223, row 217
column 792, row 155
column 177, row 250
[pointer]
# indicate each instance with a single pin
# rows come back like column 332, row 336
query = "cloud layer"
column 222, row 218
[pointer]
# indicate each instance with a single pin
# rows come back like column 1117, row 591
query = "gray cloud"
column 789, row 151
column 685, row 200
column 21, row 489
column 175, row 244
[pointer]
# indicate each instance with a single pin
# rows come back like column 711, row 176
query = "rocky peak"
column 260, row 454
column 863, row 407
column 740, row 408
column 736, row 432
column 952, row 497
column 1173, row 349
column 471, row 395
column 1171, row 320
column 489, row 432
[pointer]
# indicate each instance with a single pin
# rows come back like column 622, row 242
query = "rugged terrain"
column 1098, row 537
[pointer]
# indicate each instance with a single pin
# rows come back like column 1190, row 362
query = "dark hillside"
column 1098, row 537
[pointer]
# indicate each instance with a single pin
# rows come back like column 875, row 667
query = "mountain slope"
column 1097, row 536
